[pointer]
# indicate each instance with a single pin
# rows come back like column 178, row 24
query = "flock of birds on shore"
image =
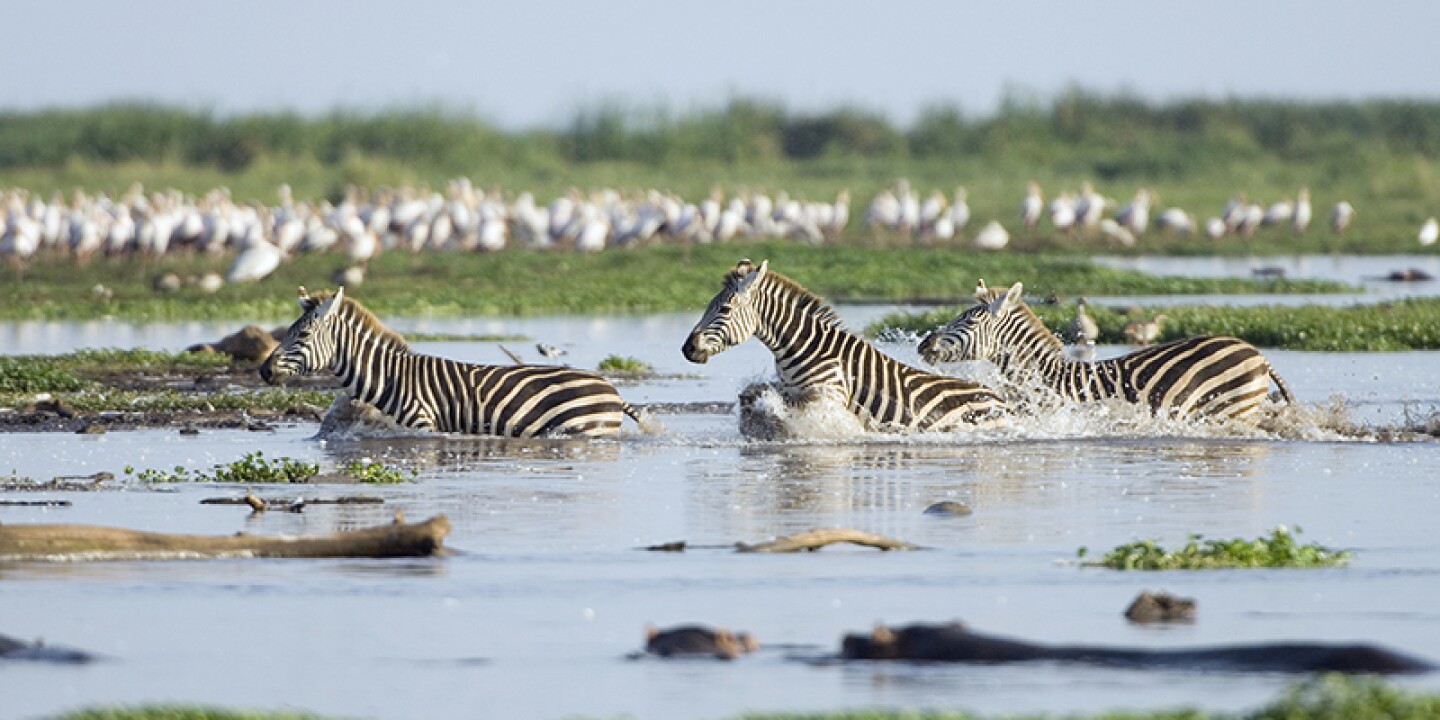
column 467, row 218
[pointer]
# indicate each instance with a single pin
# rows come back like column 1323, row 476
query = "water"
column 548, row 595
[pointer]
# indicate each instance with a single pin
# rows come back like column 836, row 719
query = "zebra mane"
column 1036, row 324
column 807, row 301
column 367, row 320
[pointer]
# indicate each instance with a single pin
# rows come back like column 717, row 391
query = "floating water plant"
column 253, row 468
column 1278, row 550
column 374, row 473
column 626, row 364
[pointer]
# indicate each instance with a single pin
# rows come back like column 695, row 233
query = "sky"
column 525, row 63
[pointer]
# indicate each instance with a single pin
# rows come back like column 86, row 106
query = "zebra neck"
column 794, row 337
column 369, row 365
column 1039, row 358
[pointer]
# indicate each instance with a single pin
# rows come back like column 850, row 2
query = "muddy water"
column 534, row 617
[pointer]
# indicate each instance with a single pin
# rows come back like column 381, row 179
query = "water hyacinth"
column 1278, row 550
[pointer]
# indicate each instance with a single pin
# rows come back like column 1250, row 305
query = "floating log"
column 92, row 542
column 816, row 539
column 35, row 503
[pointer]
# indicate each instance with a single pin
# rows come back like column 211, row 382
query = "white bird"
column 1429, row 232
column 1062, row 212
column 255, row 261
column 1301, row 220
column 1032, row 206
column 1083, row 327
column 1112, row 230
column 549, row 351
column 1340, row 216
column 959, row 210
column 1135, row 215
column 1278, row 213
column 992, row 237
column 1215, row 228
column 1177, row 221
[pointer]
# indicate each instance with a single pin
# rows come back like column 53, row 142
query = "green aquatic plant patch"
column 623, row 364
column 253, row 468
column 664, row 278
column 377, row 473
column 1412, row 324
column 1277, row 550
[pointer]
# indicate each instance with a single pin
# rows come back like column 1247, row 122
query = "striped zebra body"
column 432, row 393
column 1205, row 375
column 817, row 358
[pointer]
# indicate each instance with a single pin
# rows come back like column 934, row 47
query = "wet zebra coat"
column 427, row 392
column 816, row 357
column 1205, row 375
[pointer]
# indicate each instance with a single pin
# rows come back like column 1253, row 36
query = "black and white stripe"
column 1205, row 375
column 427, row 392
column 817, row 357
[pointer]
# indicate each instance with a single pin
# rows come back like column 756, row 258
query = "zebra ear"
column 1009, row 301
column 328, row 307
column 753, row 277
column 304, row 300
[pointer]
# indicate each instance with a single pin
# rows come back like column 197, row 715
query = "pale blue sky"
column 527, row 63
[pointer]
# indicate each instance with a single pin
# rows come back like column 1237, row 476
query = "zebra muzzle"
column 694, row 352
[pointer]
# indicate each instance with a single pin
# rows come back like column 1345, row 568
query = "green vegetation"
column 253, row 468
column 1412, row 324
column 624, row 364
column 1324, row 697
column 1382, row 156
column 375, row 473
column 1279, row 550
column 653, row 279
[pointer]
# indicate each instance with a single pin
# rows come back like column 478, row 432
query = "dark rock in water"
column 1160, row 607
column 954, row 642
column 1268, row 271
column 698, row 641
column 13, row 649
column 949, row 508
column 189, row 430
column 93, row 428
column 250, row 343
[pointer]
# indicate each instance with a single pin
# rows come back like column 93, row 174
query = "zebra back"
column 427, row 392
column 1201, row 375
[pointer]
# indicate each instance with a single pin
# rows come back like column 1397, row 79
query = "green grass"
column 1324, row 697
column 1278, row 550
column 1401, row 325
column 652, row 279
column 253, row 468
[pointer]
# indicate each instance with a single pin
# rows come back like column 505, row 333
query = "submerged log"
column 816, row 539
column 954, row 642
column 92, row 542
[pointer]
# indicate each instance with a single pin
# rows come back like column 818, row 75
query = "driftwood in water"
column 816, row 539
column 283, row 501
column 35, row 503
column 91, row 542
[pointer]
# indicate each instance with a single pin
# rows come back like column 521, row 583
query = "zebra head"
column 976, row 334
column 731, row 317
column 310, row 342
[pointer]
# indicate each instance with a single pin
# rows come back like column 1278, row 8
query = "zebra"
column 1206, row 375
column 433, row 393
column 817, row 358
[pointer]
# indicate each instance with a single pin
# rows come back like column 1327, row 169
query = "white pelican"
column 1341, row 216
column 1112, row 230
column 1429, row 232
column 1062, row 212
column 1178, row 221
column 1278, row 213
column 1135, row 215
column 959, row 210
column 1301, row 220
column 1032, row 206
column 255, row 261
column 992, row 237
column 1215, row 228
